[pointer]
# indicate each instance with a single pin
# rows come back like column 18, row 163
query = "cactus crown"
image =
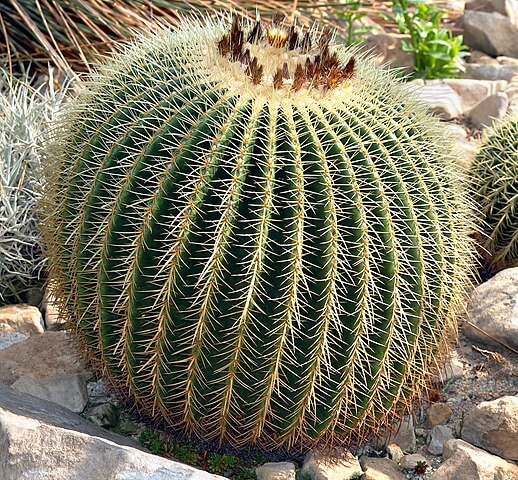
column 281, row 57
column 495, row 175
column 259, row 238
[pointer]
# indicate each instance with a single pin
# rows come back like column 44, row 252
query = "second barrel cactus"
column 257, row 233
column 495, row 174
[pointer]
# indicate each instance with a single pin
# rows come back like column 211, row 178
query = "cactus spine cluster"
column 495, row 173
column 257, row 233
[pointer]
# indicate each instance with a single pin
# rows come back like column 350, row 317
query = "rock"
column 492, row 108
column 493, row 307
column 466, row 462
column 507, row 8
column 439, row 435
column 472, row 92
column 40, row 440
column 276, row 471
column 512, row 93
column 442, row 100
column 456, row 130
column 507, row 60
column 403, row 435
column 476, row 56
column 40, row 356
column 67, row 390
column 452, row 369
column 380, row 469
column 387, row 49
column 21, row 318
column 11, row 339
column 105, row 415
column 332, row 464
column 409, row 462
column 489, row 72
column 438, row 414
column 101, row 391
column 493, row 426
column 394, row 452
column 465, row 150
column 53, row 319
column 493, row 33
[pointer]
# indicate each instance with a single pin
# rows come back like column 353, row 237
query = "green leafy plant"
column 421, row 468
column 437, row 52
column 495, row 175
column 186, row 453
column 350, row 11
column 221, row 464
column 26, row 113
column 152, row 440
column 261, row 249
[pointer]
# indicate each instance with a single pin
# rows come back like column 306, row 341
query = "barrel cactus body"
column 495, row 173
column 257, row 233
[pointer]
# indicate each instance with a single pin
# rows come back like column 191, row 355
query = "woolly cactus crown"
column 257, row 233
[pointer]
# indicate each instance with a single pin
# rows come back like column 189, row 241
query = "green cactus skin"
column 256, row 254
column 495, row 174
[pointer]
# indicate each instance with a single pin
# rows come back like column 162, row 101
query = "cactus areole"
column 257, row 233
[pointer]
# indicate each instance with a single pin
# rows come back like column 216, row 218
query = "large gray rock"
column 478, row 71
column 40, row 356
column 24, row 319
column 402, row 435
column 493, row 426
column 276, row 471
column 466, row 462
column 493, row 307
column 493, row 33
column 508, row 8
column 439, row 435
column 409, row 462
column 380, row 469
column 489, row 110
column 442, row 100
column 472, row 92
column 67, row 390
column 332, row 464
column 40, row 440
column 438, row 414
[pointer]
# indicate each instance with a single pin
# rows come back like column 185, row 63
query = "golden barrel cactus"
column 257, row 233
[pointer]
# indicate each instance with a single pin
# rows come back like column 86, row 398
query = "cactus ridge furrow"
column 172, row 259
column 439, row 199
column 320, row 352
column 117, row 142
column 98, row 191
column 414, row 288
column 169, row 290
column 127, row 296
column 383, row 255
column 360, row 259
column 259, row 238
column 126, row 249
